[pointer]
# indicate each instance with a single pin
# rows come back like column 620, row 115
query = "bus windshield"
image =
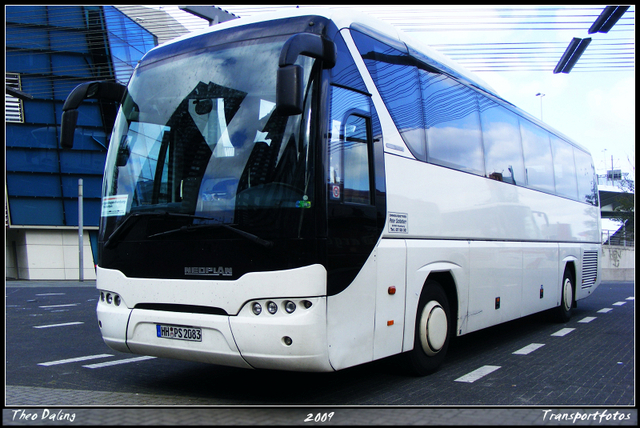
column 199, row 135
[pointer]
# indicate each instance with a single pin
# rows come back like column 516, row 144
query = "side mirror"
column 68, row 128
column 108, row 91
column 290, row 88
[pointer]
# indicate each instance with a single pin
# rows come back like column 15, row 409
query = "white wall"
column 47, row 255
column 618, row 263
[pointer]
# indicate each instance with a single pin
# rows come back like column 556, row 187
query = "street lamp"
column 540, row 94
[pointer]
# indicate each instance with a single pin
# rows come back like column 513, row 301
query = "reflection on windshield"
column 200, row 135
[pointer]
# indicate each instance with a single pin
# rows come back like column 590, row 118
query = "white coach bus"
column 313, row 190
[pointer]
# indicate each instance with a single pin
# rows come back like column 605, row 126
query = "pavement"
column 49, row 283
column 174, row 410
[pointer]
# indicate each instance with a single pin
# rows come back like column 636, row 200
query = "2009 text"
column 319, row 417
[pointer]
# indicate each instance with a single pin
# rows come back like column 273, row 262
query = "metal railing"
column 618, row 238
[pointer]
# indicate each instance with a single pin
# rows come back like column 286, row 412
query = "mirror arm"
column 289, row 90
column 107, row 91
column 308, row 44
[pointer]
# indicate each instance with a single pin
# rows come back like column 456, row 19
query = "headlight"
column 272, row 307
column 289, row 306
column 256, row 308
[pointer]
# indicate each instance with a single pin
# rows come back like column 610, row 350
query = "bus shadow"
column 352, row 386
column 234, row 386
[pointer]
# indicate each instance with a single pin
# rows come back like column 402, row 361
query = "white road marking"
column 51, row 294
column 619, row 303
column 630, row 298
column 114, row 363
column 74, row 360
column 529, row 349
column 58, row 325
column 563, row 332
column 477, row 374
column 586, row 320
column 58, row 306
column 605, row 310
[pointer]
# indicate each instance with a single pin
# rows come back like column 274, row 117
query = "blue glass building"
column 49, row 51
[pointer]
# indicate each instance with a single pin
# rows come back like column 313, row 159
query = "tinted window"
column 586, row 174
column 349, row 143
column 396, row 77
column 564, row 168
column 453, row 125
column 537, row 157
column 356, row 161
column 345, row 71
column 502, row 145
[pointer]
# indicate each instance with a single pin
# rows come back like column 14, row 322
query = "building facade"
column 49, row 51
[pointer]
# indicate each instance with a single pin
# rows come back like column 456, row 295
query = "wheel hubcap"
column 433, row 328
column 568, row 294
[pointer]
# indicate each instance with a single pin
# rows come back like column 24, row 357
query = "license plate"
column 193, row 334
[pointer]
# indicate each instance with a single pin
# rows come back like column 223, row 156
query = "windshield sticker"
column 335, row 130
column 304, row 203
column 114, row 205
column 398, row 222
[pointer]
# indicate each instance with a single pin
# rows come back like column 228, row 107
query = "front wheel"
column 432, row 331
column 564, row 311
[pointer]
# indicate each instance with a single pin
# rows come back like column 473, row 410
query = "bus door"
column 352, row 216
column 356, row 214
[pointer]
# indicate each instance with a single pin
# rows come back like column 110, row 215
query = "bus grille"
column 181, row 308
column 589, row 268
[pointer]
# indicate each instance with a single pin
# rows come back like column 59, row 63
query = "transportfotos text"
column 596, row 416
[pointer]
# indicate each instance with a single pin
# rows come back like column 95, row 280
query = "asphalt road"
column 53, row 344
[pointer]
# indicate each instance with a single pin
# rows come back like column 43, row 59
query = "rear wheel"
column 432, row 332
column 564, row 311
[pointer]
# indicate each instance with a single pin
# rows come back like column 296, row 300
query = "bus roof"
column 346, row 18
column 349, row 18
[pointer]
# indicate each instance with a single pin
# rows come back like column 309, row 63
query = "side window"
column 537, row 157
column 502, row 145
column 451, row 117
column 345, row 72
column 396, row 77
column 586, row 174
column 350, row 147
column 564, row 168
column 356, row 161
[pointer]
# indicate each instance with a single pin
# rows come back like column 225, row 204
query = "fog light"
column 289, row 306
column 272, row 307
column 256, row 308
column 102, row 296
column 109, row 298
column 116, row 300
column 306, row 303
column 287, row 340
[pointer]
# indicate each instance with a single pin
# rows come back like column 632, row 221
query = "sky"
column 594, row 108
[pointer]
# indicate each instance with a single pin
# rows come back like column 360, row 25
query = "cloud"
column 615, row 104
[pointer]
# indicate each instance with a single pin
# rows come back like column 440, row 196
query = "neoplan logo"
column 208, row 271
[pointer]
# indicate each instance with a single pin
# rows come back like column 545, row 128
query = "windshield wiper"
column 125, row 225
column 192, row 227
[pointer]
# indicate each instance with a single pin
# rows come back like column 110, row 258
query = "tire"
column 433, row 331
column 567, row 293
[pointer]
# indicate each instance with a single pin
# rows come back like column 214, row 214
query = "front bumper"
column 282, row 340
